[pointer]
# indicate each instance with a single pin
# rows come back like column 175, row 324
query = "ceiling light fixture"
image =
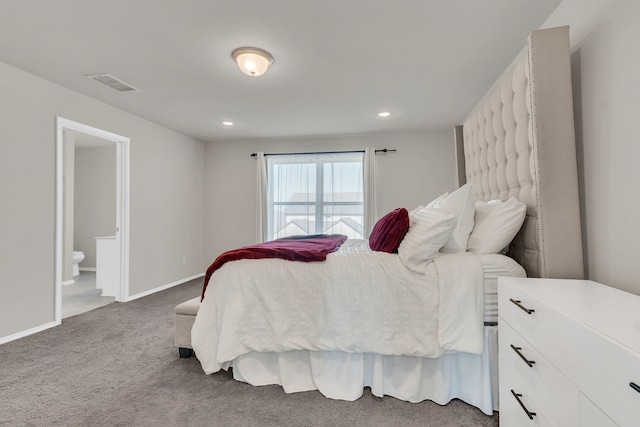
column 227, row 123
column 384, row 114
column 252, row 61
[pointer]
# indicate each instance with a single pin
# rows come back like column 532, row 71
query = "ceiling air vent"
column 112, row 82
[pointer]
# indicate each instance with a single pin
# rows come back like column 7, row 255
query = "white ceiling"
column 337, row 62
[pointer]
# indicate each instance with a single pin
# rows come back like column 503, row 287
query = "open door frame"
column 122, row 205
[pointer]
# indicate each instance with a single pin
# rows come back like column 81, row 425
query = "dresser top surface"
column 608, row 310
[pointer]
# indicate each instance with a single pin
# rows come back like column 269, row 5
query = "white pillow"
column 429, row 230
column 438, row 200
column 460, row 203
column 413, row 211
column 432, row 204
column 496, row 224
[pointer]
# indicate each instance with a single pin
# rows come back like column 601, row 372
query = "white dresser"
column 569, row 352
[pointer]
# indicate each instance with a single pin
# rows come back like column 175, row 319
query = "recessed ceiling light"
column 384, row 114
column 227, row 123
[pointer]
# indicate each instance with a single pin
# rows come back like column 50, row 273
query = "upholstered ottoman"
column 185, row 315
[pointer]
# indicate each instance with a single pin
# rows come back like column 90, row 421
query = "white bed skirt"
column 337, row 375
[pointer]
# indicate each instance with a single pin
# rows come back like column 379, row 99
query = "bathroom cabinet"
column 107, row 265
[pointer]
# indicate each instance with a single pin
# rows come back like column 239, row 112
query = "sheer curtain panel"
column 369, row 172
column 261, row 199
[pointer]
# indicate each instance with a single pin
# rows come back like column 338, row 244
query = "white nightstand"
column 569, row 353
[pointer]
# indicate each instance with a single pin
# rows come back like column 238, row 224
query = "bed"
column 518, row 143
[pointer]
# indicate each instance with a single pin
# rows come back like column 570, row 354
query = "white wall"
column 605, row 67
column 421, row 169
column 166, row 212
column 94, row 199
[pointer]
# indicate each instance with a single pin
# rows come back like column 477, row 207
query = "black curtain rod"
column 384, row 150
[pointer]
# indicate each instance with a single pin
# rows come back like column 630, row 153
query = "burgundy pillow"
column 389, row 231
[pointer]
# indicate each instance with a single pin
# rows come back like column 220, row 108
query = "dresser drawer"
column 519, row 310
column 592, row 416
column 556, row 395
column 512, row 414
column 551, row 332
column 535, row 321
column 607, row 369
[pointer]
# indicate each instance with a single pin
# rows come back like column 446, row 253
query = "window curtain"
column 292, row 179
column 369, row 172
column 262, row 225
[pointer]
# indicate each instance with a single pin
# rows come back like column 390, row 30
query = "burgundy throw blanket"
column 295, row 248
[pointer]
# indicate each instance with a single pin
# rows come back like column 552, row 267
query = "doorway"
column 115, row 276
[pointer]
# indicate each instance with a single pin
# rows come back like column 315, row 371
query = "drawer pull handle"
column 518, row 396
column 527, row 361
column 635, row 386
column 522, row 307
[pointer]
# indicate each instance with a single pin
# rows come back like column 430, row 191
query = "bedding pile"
column 347, row 303
column 295, row 248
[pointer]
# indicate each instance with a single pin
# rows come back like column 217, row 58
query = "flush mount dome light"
column 252, row 61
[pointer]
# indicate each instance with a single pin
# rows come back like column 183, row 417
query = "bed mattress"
column 494, row 266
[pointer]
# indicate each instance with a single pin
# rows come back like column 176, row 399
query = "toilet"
column 78, row 256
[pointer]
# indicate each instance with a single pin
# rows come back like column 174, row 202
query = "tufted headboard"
column 519, row 141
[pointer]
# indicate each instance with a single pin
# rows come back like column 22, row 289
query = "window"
column 315, row 194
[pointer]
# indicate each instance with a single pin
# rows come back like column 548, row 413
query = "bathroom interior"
column 89, row 225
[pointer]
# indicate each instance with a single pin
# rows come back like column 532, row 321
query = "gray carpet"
column 116, row 366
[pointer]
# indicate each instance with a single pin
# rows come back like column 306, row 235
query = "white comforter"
column 357, row 301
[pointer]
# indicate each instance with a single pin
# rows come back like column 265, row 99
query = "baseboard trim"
column 22, row 334
column 68, row 282
column 88, row 269
column 162, row 288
